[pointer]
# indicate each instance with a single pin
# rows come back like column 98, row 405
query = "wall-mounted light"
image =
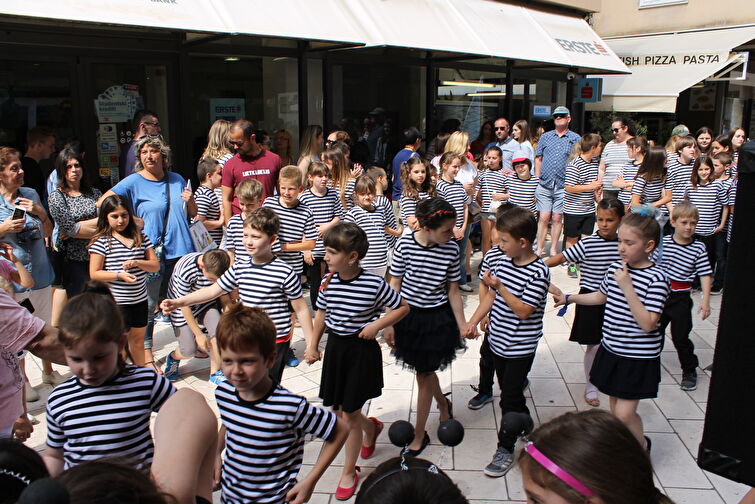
column 467, row 83
column 488, row 93
column 232, row 58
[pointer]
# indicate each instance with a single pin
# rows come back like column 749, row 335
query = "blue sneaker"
column 171, row 368
column 217, row 377
column 291, row 360
column 161, row 318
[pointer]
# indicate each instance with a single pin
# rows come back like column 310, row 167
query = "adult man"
column 614, row 155
column 412, row 142
column 551, row 156
column 250, row 161
column 504, row 142
column 40, row 145
column 145, row 124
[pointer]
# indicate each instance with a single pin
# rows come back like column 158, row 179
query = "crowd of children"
column 372, row 272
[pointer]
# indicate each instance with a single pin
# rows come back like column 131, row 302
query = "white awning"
column 665, row 65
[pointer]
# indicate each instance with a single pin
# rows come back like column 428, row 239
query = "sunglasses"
column 236, row 144
column 328, row 142
column 615, row 130
column 503, row 128
column 560, row 116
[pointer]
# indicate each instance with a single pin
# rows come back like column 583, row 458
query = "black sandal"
column 154, row 366
column 415, row 453
column 449, row 404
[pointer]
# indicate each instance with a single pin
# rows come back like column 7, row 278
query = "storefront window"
column 469, row 96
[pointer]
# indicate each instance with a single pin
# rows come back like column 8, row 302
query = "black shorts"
column 134, row 315
column 578, row 225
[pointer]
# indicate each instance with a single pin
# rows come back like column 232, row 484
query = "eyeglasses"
column 236, row 144
column 328, row 142
column 615, row 130
column 560, row 116
column 503, row 128
column 155, row 124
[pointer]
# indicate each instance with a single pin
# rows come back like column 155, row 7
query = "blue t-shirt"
column 149, row 202
column 29, row 244
column 400, row 158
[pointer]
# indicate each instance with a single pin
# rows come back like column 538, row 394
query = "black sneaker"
column 501, row 463
column 479, row 401
column 716, row 292
column 689, row 381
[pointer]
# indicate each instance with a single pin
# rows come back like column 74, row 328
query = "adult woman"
column 218, row 147
column 161, row 199
column 521, row 133
column 283, row 142
column 73, row 206
column 311, row 145
column 337, row 136
column 483, row 139
column 704, row 137
column 737, row 137
column 26, row 235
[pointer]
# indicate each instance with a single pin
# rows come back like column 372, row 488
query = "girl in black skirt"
column 425, row 270
column 627, row 366
column 349, row 304
column 594, row 253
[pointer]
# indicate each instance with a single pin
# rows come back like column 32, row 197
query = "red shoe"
column 343, row 494
column 367, row 451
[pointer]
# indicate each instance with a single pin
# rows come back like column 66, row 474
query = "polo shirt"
column 265, row 167
column 555, row 150
column 400, row 158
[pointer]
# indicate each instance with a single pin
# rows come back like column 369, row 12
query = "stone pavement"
column 674, row 420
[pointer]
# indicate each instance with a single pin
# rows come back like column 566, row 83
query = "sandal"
column 591, row 398
column 154, row 366
column 450, row 405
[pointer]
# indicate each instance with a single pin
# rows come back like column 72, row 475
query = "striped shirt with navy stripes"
column 408, row 206
column 116, row 253
column 595, row 254
column 580, row 172
column 295, row 223
column 679, row 175
column 731, row 203
column 110, row 420
column 522, row 192
column 187, row 277
column 490, row 182
column 628, row 173
column 373, row 223
column 324, row 209
column 490, row 260
column 622, row 335
column 615, row 155
column 509, row 335
column 269, row 286
column 426, row 271
column 650, row 191
column 234, row 236
column 709, row 200
column 264, row 442
column 455, row 194
column 208, row 206
column 390, row 217
column 350, row 305
column 683, row 262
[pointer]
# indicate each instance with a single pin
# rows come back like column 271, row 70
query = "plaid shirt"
column 555, row 151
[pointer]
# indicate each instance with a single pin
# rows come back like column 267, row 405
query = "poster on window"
column 230, row 109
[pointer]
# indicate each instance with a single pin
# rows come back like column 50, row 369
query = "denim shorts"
column 550, row 199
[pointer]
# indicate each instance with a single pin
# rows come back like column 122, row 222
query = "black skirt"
column 352, row 372
column 625, row 378
column 587, row 328
column 427, row 339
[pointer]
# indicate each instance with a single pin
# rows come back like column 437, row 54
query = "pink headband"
column 557, row 471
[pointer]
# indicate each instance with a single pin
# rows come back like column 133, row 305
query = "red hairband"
column 442, row 212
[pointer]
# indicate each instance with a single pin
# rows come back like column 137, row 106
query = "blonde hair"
column 217, row 140
column 685, row 209
column 156, row 142
column 249, row 190
column 309, row 147
column 339, row 172
column 292, row 173
column 458, row 143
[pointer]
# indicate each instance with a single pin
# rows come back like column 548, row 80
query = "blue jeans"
column 156, row 290
column 463, row 244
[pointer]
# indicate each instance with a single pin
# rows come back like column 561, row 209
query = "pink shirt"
column 264, row 167
column 7, row 269
column 18, row 328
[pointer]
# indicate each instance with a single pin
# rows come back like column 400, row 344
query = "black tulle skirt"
column 427, row 339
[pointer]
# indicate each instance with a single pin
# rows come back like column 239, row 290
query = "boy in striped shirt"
column 249, row 193
column 683, row 259
column 263, row 424
column 517, row 289
column 208, row 205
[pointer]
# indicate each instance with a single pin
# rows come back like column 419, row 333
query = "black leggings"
column 314, row 275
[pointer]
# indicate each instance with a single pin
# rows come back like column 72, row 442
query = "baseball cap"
column 377, row 111
column 561, row 110
column 680, row 130
column 520, row 157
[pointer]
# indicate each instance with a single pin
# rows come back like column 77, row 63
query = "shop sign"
column 692, row 59
column 541, row 110
column 107, row 150
column 230, row 109
column 589, row 90
column 582, row 46
column 117, row 104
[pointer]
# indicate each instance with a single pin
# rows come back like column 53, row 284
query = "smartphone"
column 19, row 213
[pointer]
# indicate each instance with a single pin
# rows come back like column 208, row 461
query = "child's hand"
column 217, row 471
column 458, row 233
column 470, row 331
column 312, row 355
column 321, row 228
column 559, row 298
column 202, row 342
column 127, row 277
column 6, row 251
column 356, row 170
column 718, row 229
column 368, row 332
column 309, row 258
column 413, row 223
column 704, row 311
column 622, row 277
column 168, row 305
column 507, row 171
column 22, row 428
column 484, row 324
column 595, row 184
column 130, row 264
column 491, row 280
column 300, row 493
column 389, row 335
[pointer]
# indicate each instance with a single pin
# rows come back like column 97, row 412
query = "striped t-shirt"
column 679, row 175
column 269, row 286
column 208, row 206
column 385, row 205
column 110, row 420
column 455, row 194
column 324, row 209
column 264, row 442
column 490, row 260
column 683, row 262
column 350, row 305
column 622, row 335
column 580, row 172
column 373, row 223
column 115, row 254
column 522, row 192
column 295, row 223
column 709, row 200
column 187, row 277
column 615, row 156
column 234, row 237
column 490, row 182
column 650, row 191
column 595, row 254
column 628, row 173
column 731, row 203
column 426, row 271
column 408, row 206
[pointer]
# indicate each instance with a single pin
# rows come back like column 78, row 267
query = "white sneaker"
column 466, row 288
column 31, row 394
column 53, row 378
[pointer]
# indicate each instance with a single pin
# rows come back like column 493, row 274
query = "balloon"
column 401, row 433
column 451, row 432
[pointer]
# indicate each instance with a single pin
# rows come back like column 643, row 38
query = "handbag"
column 159, row 247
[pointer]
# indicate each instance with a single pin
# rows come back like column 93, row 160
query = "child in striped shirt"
column 263, row 424
column 104, row 409
column 627, row 366
column 516, row 296
column 193, row 272
column 417, row 186
column 374, row 222
column 651, row 186
column 327, row 211
column 393, row 230
column 453, row 191
column 208, row 205
column 491, row 191
column 121, row 255
column 595, row 253
column 521, row 185
column 249, row 194
column 684, row 259
column 637, row 147
column 349, row 305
